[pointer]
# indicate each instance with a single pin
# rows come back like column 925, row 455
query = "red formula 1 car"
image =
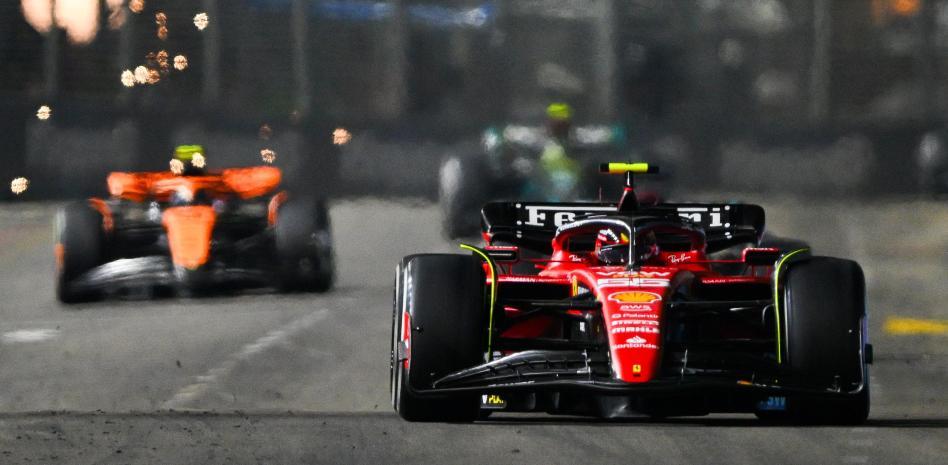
column 624, row 313
column 202, row 232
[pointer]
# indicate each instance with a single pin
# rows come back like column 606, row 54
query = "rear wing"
column 532, row 225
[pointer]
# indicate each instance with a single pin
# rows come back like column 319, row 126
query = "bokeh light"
column 268, row 156
column 341, row 136
column 176, row 166
column 79, row 18
column 137, row 6
column 180, row 62
column 141, row 74
column 201, row 21
column 198, row 160
column 266, row 132
column 19, row 185
column 38, row 13
column 44, row 112
column 117, row 14
column 153, row 76
column 128, row 78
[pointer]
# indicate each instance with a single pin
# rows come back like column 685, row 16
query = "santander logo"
column 635, row 340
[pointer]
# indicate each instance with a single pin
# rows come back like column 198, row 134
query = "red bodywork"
column 631, row 300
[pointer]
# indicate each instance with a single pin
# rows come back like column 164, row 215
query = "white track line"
column 29, row 335
column 204, row 382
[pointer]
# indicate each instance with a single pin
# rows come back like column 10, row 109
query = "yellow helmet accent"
column 559, row 111
column 187, row 152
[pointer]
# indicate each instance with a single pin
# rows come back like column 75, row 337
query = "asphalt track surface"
column 264, row 378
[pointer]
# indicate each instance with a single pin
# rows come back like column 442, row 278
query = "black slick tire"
column 444, row 297
column 80, row 247
column 824, row 301
column 303, row 243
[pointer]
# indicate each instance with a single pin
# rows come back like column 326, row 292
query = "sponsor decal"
column 773, row 403
column 634, row 322
column 634, row 274
column 637, row 346
column 678, row 258
column 636, row 368
column 538, row 216
column 640, row 297
column 632, row 282
column 635, row 308
column 697, row 215
column 492, row 401
column 650, row 316
column 634, row 329
column 637, row 342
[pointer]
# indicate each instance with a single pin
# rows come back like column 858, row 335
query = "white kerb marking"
column 203, row 383
column 29, row 335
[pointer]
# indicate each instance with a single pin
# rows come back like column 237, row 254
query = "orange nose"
column 189, row 234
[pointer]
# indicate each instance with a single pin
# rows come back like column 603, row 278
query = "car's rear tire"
column 79, row 248
column 824, row 301
column 444, row 297
column 303, row 240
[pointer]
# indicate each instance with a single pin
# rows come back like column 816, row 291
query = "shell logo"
column 636, row 297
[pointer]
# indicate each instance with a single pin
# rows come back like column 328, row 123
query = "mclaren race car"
column 192, row 230
column 626, row 314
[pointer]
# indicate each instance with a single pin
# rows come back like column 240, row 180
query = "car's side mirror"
column 760, row 256
column 503, row 254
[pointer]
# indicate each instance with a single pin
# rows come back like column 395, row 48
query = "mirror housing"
column 760, row 256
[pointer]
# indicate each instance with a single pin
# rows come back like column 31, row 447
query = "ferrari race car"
column 625, row 314
column 165, row 231
column 505, row 165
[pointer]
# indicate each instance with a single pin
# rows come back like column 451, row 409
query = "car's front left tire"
column 823, row 299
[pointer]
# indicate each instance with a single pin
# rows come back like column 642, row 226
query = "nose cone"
column 189, row 234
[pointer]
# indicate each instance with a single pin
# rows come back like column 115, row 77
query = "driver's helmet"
column 559, row 119
column 612, row 247
column 189, row 160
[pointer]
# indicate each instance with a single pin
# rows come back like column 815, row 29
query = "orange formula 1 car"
column 192, row 231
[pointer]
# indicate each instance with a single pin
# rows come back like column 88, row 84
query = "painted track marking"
column 29, row 335
column 203, row 383
column 908, row 326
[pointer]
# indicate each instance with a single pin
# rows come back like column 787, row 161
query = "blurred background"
column 808, row 96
